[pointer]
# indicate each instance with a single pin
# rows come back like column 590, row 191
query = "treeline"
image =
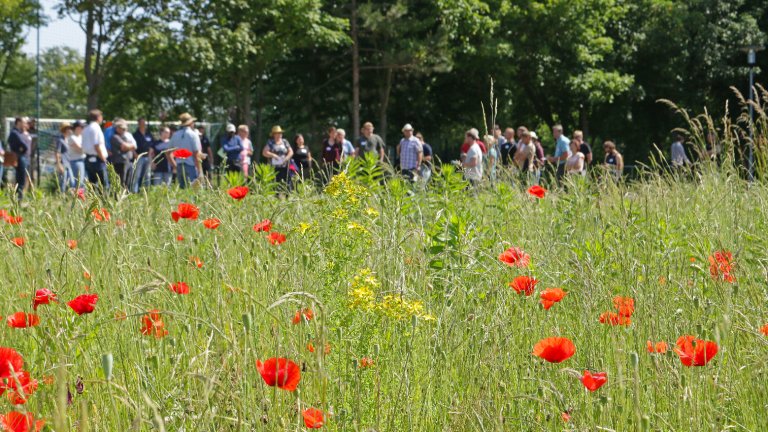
column 596, row 65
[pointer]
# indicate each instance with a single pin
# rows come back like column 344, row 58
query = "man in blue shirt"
column 232, row 146
column 188, row 169
column 144, row 142
column 562, row 150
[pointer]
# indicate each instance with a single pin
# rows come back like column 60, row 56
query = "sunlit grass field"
column 394, row 306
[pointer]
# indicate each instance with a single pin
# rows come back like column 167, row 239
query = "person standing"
column 539, row 161
column 207, row 152
column 371, row 143
column 62, row 154
column 575, row 164
column 279, row 153
column 562, row 150
column 95, row 149
column 144, row 142
column 425, row 170
column 123, row 147
column 347, row 149
column 525, row 156
column 247, row 152
column 507, row 148
column 331, row 154
column 411, row 153
column 679, row 158
column 187, row 138
column 20, row 143
column 584, row 148
column 162, row 162
column 493, row 156
column 76, row 155
column 232, row 146
column 614, row 162
column 302, row 157
column 473, row 158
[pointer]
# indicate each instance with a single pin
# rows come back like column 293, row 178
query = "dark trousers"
column 125, row 171
column 97, row 171
column 22, row 174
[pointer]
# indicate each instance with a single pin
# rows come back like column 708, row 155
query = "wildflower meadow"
column 382, row 306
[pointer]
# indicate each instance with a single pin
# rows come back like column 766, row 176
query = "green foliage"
column 264, row 178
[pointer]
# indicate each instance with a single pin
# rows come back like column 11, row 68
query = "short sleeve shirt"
column 186, row 138
column 92, row 137
column 562, row 147
column 410, row 148
column 331, row 152
column 475, row 172
column 371, row 145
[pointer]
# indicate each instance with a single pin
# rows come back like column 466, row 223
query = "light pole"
column 37, row 96
column 751, row 62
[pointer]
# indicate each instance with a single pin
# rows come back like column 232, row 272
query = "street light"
column 751, row 62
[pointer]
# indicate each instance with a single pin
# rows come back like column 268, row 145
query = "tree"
column 15, row 17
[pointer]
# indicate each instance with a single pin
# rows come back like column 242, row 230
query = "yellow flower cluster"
column 341, row 185
column 362, row 295
column 304, row 227
column 340, row 213
column 357, row 228
column 372, row 212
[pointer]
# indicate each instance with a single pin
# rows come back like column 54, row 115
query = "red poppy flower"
column 81, row 194
column 275, row 238
column 84, row 304
column 19, row 241
column 310, row 347
column 537, row 191
column 238, row 192
column 87, row 275
column 211, row 223
column 185, row 211
column 554, row 349
column 182, row 153
column 263, row 226
column 658, row 347
column 313, row 418
column 197, row 262
column 3, row 213
column 695, row 352
column 721, row 266
column 566, row 416
column 42, row 297
column 14, row 220
column 72, row 244
column 593, row 381
column 524, row 285
column 23, row 320
column 366, row 362
column 764, row 329
column 28, row 387
column 101, row 215
column 180, row 288
column 307, row 313
column 551, row 296
column 515, row 257
column 10, row 360
column 614, row 319
column 279, row 372
column 624, row 305
column 153, row 325
column 180, row 237
column 15, row 421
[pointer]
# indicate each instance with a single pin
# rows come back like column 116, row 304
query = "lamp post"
column 37, row 96
column 751, row 62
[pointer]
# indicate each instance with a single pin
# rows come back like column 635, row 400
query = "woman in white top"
column 76, row 154
column 247, row 152
column 575, row 163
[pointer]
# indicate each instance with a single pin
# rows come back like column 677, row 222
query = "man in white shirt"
column 95, row 149
column 473, row 161
column 187, row 138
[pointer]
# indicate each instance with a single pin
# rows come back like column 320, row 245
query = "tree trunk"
column 355, row 73
column 90, row 69
column 385, row 92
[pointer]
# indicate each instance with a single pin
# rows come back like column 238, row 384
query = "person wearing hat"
column 410, row 153
column 232, row 146
column 123, row 146
column 62, row 153
column 76, row 154
column 279, row 152
column 188, row 169
column 20, row 143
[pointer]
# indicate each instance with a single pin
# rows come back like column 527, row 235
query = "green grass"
column 470, row 368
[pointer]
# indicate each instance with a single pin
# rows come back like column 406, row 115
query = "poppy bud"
column 699, row 329
column 646, row 423
column 247, row 321
column 735, row 290
column 354, row 364
column 172, row 342
column 154, row 363
column 376, row 349
column 106, row 365
column 696, row 302
column 634, row 359
column 540, row 392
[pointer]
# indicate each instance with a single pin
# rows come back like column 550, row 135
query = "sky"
column 58, row 32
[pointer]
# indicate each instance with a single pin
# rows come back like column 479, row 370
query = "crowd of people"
column 183, row 153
